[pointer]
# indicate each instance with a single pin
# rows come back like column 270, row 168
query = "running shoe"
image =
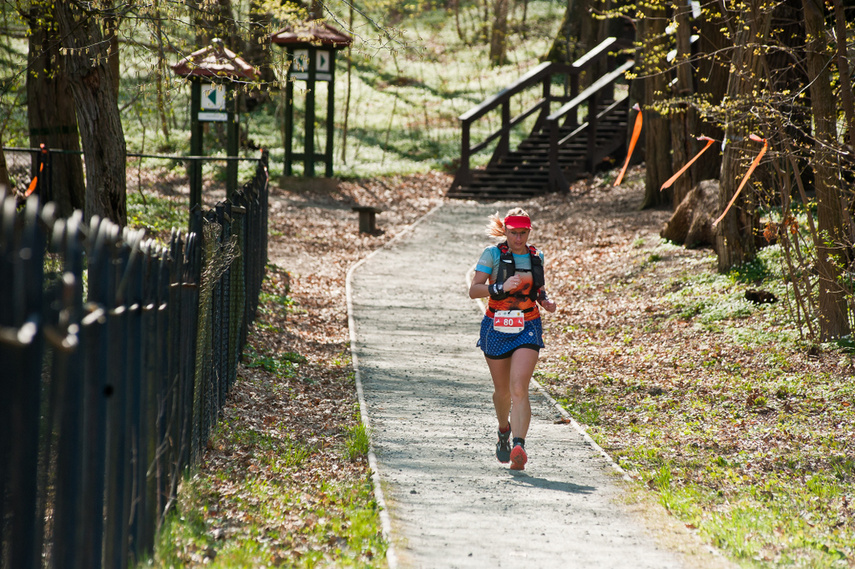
column 503, row 447
column 518, row 457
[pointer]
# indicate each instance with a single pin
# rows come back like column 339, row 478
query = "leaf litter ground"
column 710, row 403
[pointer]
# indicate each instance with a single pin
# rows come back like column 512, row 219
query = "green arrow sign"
column 213, row 97
column 323, row 61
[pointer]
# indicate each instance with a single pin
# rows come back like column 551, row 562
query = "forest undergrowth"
column 741, row 428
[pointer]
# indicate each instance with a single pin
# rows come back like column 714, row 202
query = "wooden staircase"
column 560, row 148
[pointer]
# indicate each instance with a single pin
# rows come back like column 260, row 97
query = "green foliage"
column 282, row 366
column 157, row 214
column 357, row 442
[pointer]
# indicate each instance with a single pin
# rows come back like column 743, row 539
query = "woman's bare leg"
column 500, row 371
column 522, row 364
column 511, row 379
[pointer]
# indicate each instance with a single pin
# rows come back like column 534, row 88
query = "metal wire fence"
column 116, row 356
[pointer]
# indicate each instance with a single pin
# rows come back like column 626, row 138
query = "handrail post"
column 503, row 146
column 572, row 118
column 553, row 154
column 593, row 105
column 463, row 176
column 547, row 97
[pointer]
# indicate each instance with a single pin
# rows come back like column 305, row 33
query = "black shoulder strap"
column 538, row 279
column 506, row 265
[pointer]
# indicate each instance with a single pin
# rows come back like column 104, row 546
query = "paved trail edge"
column 385, row 521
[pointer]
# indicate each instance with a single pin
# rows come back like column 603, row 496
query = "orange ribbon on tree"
column 673, row 178
column 754, row 164
column 35, row 181
column 636, row 132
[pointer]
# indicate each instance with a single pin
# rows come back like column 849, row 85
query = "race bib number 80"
column 509, row 321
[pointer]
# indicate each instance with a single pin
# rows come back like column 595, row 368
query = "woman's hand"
column 512, row 284
column 544, row 300
column 549, row 305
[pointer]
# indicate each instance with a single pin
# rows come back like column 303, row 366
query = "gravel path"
column 426, row 397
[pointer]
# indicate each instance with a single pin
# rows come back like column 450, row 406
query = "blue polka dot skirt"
column 498, row 343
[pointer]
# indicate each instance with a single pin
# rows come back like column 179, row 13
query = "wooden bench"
column 367, row 221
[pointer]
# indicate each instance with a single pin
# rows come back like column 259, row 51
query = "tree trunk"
column 258, row 47
column 847, row 99
column 160, row 73
column 111, row 34
column 713, row 72
column 345, row 123
column 735, row 244
column 91, row 82
column 455, row 5
column 50, row 114
column 499, row 34
column 563, row 49
column 214, row 19
column 685, row 126
column 831, row 245
column 579, row 32
column 657, row 131
column 787, row 31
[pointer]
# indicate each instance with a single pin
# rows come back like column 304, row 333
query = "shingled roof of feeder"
column 314, row 32
column 215, row 61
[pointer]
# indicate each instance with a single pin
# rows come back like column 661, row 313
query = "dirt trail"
column 427, row 397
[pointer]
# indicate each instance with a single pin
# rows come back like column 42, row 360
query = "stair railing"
column 600, row 91
column 542, row 74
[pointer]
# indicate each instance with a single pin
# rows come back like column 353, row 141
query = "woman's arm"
column 547, row 303
column 480, row 285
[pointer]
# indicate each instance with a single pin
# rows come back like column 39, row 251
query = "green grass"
column 282, row 365
column 357, row 443
column 279, row 518
column 156, row 214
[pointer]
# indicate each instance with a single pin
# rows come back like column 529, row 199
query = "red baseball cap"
column 518, row 222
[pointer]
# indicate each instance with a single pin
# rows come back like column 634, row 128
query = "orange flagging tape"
column 32, row 187
column 673, row 178
column 636, row 131
column 754, row 164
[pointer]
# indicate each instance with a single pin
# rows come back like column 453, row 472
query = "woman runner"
column 511, row 274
